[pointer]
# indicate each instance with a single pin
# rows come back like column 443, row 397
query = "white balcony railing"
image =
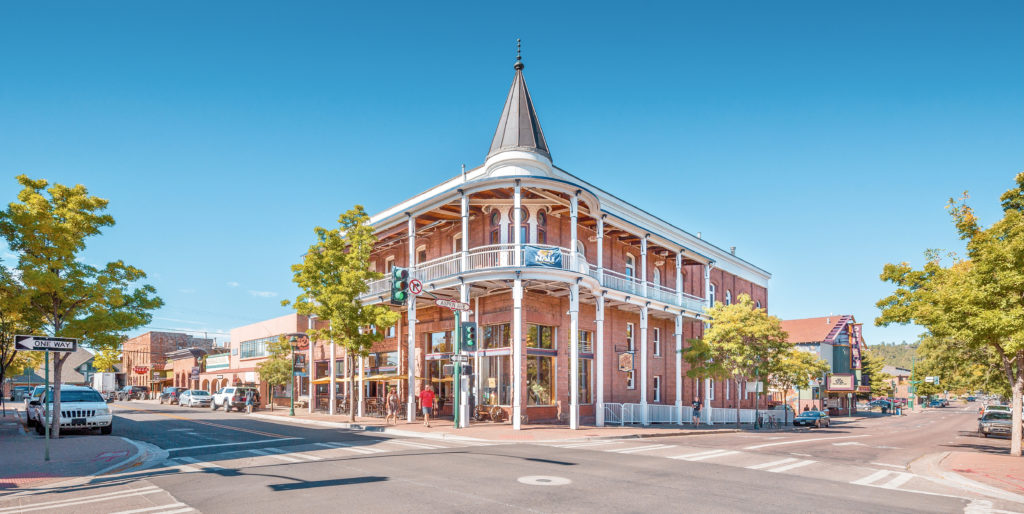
column 504, row 256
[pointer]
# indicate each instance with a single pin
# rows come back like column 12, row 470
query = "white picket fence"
column 632, row 413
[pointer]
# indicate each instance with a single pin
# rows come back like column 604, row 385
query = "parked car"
column 132, row 392
column 80, row 408
column 170, row 395
column 30, row 420
column 19, row 393
column 995, row 422
column 195, row 397
column 812, row 418
column 233, row 398
column 936, row 403
column 971, row 399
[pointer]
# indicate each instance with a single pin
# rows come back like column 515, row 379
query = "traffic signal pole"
column 457, row 370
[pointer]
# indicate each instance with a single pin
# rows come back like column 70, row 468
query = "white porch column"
column 707, row 285
column 706, row 411
column 517, row 349
column 679, row 366
column 600, row 249
column 574, row 356
column 517, row 220
column 574, row 206
column 643, row 366
column 599, row 365
column 362, row 390
column 679, row 278
column 465, row 233
column 411, row 346
column 643, row 265
column 333, row 381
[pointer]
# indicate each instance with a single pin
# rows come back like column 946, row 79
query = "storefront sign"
column 537, row 256
column 300, row 342
column 840, row 382
column 626, row 362
column 195, row 373
column 855, row 346
column 141, row 370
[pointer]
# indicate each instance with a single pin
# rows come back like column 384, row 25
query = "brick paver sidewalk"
column 71, row 456
column 997, row 470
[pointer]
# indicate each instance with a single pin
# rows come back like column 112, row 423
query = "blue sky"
column 821, row 139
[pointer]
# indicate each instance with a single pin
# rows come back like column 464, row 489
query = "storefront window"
column 540, row 336
column 497, row 336
column 586, row 371
column 440, row 342
column 322, row 369
column 540, row 380
column 495, row 384
column 339, row 367
column 586, row 343
column 442, row 384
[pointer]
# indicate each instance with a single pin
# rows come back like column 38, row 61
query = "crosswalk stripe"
column 900, row 479
column 356, row 449
column 772, row 464
column 148, row 509
column 712, row 456
column 422, row 446
column 788, row 467
column 97, row 497
column 181, row 466
column 872, row 477
column 202, row 464
column 698, row 454
column 290, row 454
column 639, row 448
column 587, row 444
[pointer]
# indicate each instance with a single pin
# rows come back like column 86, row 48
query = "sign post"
column 46, row 344
column 459, row 309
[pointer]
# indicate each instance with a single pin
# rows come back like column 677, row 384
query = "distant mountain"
column 900, row 355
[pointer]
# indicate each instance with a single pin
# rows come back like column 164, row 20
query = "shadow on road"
column 326, row 483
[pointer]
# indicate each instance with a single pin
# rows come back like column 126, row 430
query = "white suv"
column 80, row 408
column 234, row 397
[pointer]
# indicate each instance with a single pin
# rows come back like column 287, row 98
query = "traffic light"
column 399, row 285
column 468, row 336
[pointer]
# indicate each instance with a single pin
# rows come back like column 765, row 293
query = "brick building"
column 144, row 357
column 556, row 271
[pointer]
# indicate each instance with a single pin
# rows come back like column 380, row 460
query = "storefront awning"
column 370, row 378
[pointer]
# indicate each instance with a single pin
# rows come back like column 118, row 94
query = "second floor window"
column 629, row 337
column 542, row 227
column 656, row 277
column 630, row 266
column 728, row 297
column 524, row 227
column 711, row 295
column 656, row 340
column 495, row 227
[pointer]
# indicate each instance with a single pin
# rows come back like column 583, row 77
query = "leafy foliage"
column 975, row 302
column 741, row 342
column 332, row 275
column 106, row 359
column 880, row 381
column 900, row 355
column 47, row 228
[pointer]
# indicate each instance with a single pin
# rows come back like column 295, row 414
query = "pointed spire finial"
column 519, row 54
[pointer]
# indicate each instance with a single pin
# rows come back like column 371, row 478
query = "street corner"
column 71, row 457
column 996, row 470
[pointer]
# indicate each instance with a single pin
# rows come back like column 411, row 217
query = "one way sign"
column 45, row 344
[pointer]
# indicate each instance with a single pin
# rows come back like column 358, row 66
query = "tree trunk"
column 739, row 400
column 58, row 364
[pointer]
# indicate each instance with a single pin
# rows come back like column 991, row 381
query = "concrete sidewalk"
column 997, row 470
column 71, row 456
column 497, row 432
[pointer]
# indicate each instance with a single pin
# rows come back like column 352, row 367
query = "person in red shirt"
column 427, row 403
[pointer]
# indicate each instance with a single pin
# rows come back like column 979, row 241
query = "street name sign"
column 46, row 344
column 451, row 304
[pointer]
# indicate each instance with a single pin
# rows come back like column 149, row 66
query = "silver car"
column 195, row 397
column 994, row 422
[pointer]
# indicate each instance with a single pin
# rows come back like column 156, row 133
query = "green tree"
column 740, row 342
column 976, row 301
column 13, row 321
column 332, row 275
column 794, row 367
column 47, row 228
column 879, row 381
column 277, row 369
column 106, row 358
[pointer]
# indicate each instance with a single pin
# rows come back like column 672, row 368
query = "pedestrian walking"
column 249, row 397
column 696, row 411
column 391, row 404
column 427, row 403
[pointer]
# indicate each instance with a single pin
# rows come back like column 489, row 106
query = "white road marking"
column 900, row 479
column 897, row 466
column 800, row 454
column 233, row 444
column 721, row 453
column 798, row 441
column 644, row 448
column 188, row 509
column 274, row 455
column 788, row 467
column 296, row 454
column 772, row 464
column 586, row 444
column 184, row 468
column 422, row 446
column 158, row 507
column 877, row 475
column 88, row 499
column 850, row 443
column 202, row 464
column 357, row 449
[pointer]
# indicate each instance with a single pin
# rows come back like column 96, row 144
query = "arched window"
column 711, row 295
column 728, row 297
column 656, row 277
column 630, row 266
column 758, row 303
column 580, row 249
column 524, row 227
column 542, row 227
column 495, row 227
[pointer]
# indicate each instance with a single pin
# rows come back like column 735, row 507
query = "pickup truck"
column 234, row 398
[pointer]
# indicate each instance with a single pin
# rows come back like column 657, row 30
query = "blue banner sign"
column 537, row 256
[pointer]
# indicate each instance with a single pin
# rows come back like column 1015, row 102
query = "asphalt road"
column 228, row 462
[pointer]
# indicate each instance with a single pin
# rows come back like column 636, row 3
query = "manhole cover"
column 543, row 480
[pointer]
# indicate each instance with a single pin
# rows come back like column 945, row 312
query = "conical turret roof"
column 519, row 127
